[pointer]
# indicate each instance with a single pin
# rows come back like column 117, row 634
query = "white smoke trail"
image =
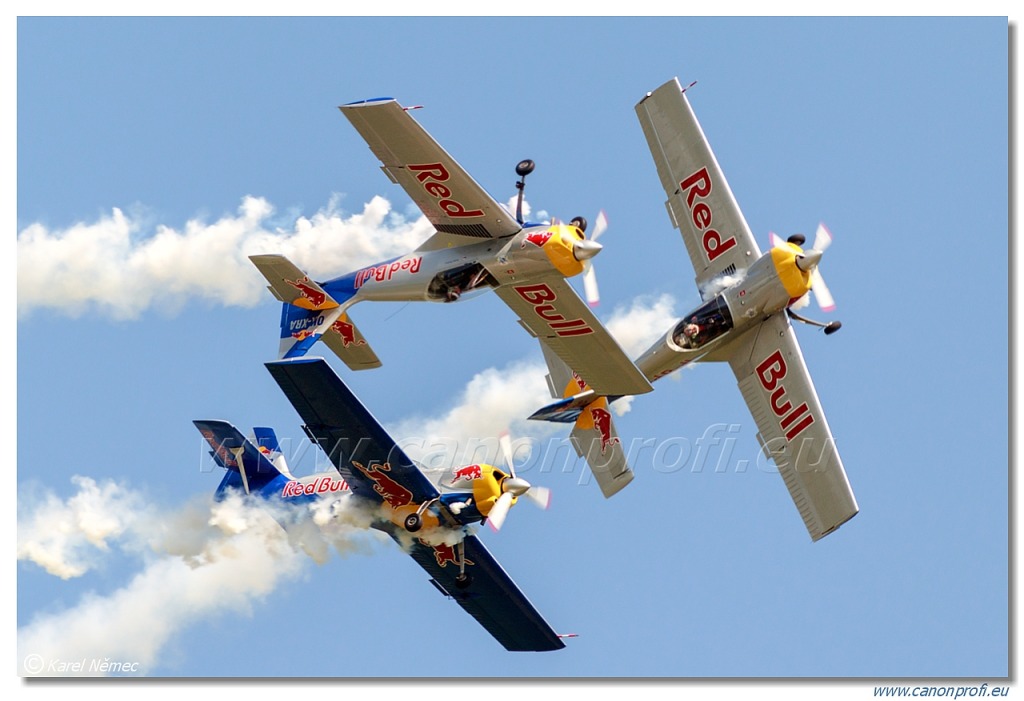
column 65, row 537
column 202, row 559
column 117, row 268
column 637, row 325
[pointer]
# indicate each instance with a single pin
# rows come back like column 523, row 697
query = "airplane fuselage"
column 448, row 274
column 480, row 488
column 767, row 287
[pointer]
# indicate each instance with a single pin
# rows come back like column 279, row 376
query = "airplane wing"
column 451, row 200
column 552, row 311
column 792, row 429
column 366, row 456
column 700, row 203
column 336, row 420
column 493, row 599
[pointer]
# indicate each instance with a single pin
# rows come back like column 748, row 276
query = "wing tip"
column 367, row 102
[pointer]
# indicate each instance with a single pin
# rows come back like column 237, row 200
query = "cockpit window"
column 704, row 324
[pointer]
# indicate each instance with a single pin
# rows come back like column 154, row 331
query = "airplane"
column 477, row 246
column 431, row 522
column 748, row 299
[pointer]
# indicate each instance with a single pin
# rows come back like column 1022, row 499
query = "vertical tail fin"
column 301, row 328
column 266, row 441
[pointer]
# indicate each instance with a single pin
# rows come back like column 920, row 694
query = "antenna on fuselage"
column 523, row 168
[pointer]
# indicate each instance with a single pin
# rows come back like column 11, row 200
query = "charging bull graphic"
column 315, row 297
column 347, row 332
column 444, row 554
column 391, row 491
column 469, row 473
column 603, row 425
column 538, row 238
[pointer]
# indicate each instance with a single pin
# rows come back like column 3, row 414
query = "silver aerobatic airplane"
column 478, row 245
column 744, row 319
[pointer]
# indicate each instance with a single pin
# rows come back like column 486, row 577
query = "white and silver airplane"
column 478, row 245
column 748, row 299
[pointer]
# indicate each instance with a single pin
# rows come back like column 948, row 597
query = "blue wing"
column 492, row 598
column 365, row 455
column 337, row 421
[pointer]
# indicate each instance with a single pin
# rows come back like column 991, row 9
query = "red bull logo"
column 347, row 332
column 315, row 297
column 386, row 271
column 323, row 485
column 390, row 491
column 304, row 334
column 433, row 176
column 538, row 238
column 467, row 474
column 603, row 425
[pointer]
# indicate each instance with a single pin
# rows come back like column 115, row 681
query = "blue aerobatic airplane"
column 431, row 522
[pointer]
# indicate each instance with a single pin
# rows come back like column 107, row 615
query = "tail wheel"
column 462, row 581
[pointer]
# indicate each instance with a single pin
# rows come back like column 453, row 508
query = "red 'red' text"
column 433, row 176
column 699, row 185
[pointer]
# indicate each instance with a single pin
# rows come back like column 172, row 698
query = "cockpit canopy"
column 704, row 324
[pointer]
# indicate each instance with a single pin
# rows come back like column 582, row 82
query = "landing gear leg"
column 830, row 328
column 462, row 580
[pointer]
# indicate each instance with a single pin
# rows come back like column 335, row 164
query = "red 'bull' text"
column 770, row 372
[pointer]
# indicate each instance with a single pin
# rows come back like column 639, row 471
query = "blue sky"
column 213, row 136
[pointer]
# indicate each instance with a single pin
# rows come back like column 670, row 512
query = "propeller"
column 589, row 276
column 513, row 487
column 822, row 240
column 811, row 258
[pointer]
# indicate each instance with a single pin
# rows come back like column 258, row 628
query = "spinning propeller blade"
column 822, row 240
column 590, row 290
column 499, row 511
column 513, row 487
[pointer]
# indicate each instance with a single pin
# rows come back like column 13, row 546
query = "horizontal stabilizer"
column 348, row 343
column 289, row 284
column 564, row 411
column 595, row 439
